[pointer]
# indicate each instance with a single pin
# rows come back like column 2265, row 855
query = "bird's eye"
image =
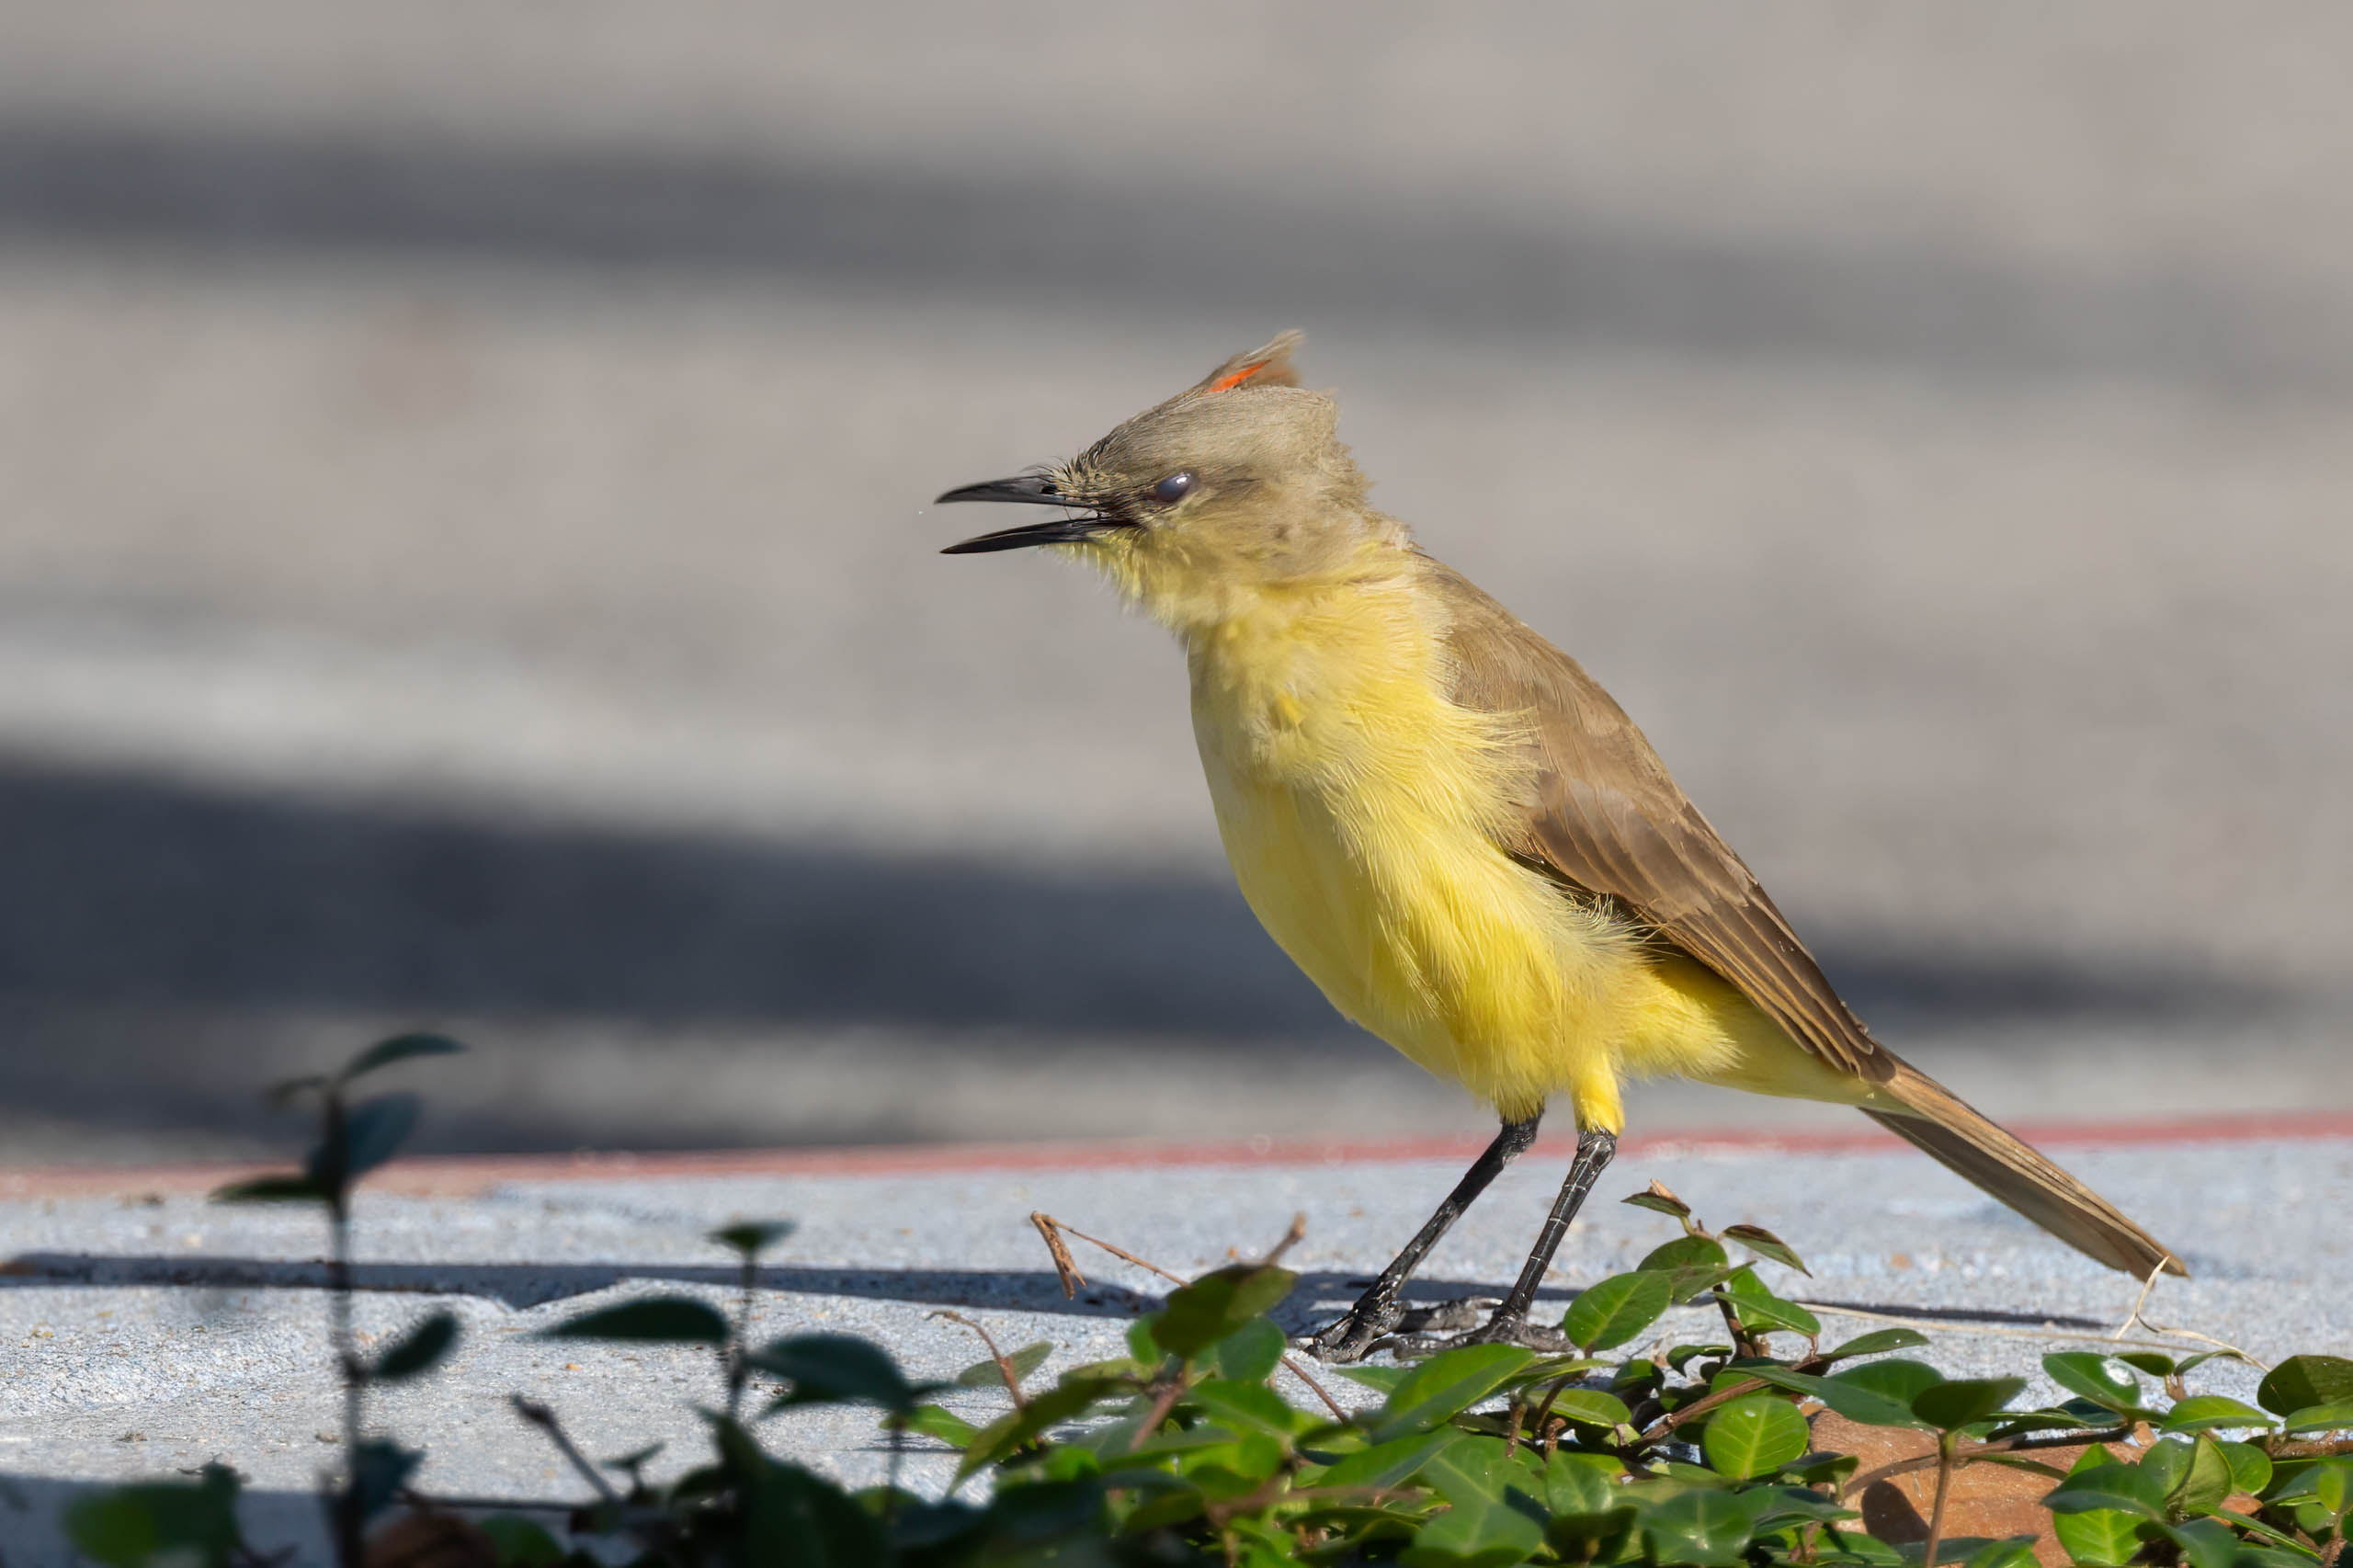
column 1172, row 489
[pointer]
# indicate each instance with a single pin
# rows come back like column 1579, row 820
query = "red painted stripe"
column 458, row 1174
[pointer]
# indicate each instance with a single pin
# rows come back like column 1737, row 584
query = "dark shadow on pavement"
column 150, row 927
column 122, row 890
column 523, row 1286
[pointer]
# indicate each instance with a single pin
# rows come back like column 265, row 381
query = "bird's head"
column 1235, row 486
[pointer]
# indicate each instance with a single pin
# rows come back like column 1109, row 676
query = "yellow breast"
column 1361, row 809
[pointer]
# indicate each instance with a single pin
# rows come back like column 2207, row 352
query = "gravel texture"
column 138, row 1336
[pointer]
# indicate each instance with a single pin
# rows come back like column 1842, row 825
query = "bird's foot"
column 1475, row 1321
column 1426, row 1331
column 1352, row 1338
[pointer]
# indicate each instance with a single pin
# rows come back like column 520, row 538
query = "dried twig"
column 1004, row 1362
column 1051, row 1229
column 2080, row 1336
column 1292, row 1238
column 1161, row 1406
column 1047, row 1225
column 1065, row 1266
column 2134, row 1316
column 1290, row 1365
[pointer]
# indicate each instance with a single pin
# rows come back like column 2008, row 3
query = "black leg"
column 1376, row 1313
column 1593, row 1151
column 1509, row 1325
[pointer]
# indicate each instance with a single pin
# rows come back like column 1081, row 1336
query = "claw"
column 1426, row 1331
column 1498, row 1330
column 1467, row 1311
column 1353, row 1337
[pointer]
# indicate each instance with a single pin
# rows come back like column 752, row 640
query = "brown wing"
column 1605, row 817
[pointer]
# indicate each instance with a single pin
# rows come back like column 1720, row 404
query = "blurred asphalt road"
column 464, row 555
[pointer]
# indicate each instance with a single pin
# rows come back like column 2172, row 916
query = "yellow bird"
column 1457, row 834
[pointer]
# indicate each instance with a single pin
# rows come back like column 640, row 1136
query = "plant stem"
column 348, row 1540
column 1945, row 1467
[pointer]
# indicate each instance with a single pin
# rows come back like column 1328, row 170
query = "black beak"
column 1034, row 490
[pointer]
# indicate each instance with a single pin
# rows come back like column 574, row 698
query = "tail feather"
column 1940, row 1124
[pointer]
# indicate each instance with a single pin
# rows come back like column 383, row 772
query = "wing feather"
column 1604, row 817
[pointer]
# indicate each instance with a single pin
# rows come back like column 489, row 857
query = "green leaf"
column 1611, row 1312
column 749, row 1238
column 2103, row 1379
column 1445, row 1385
column 2321, row 1418
column 1895, row 1378
column 1754, row 1436
column 1879, row 1393
column 1474, row 1536
column 2115, row 1488
column 2303, row 1381
column 1579, row 1484
column 400, row 1048
column 2204, row 1485
column 2167, row 1463
column 677, row 1319
column 2250, row 1467
column 1949, row 1406
column 1758, row 1308
column 2156, row 1363
column 1869, row 1407
column 1066, row 1401
column 1658, row 1199
column 1200, row 1314
column 2096, row 1537
column 289, row 1187
column 1382, row 1381
column 1684, row 1252
column 1600, row 1536
column 374, row 1130
column 833, row 1369
column 2012, row 1554
column 987, row 1374
column 128, row 1527
column 420, row 1350
column 1700, row 1527
column 1473, row 1471
column 520, row 1542
column 2204, row 1412
column 1388, row 1465
column 933, row 1421
column 2204, row 1543
column 1878, row 1342
column 1250, row 1354
column 2333, row 1487
column 1247, row 1407
column 1592, row 1407
column 2327, row 1485
column 1766, row 1244
column 792, row 1517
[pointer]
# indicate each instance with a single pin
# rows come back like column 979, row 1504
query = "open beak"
column 1034, row 490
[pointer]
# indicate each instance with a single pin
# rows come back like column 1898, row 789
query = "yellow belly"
column 1360, row 823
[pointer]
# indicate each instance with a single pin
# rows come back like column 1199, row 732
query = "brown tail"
column 1957, row 1138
